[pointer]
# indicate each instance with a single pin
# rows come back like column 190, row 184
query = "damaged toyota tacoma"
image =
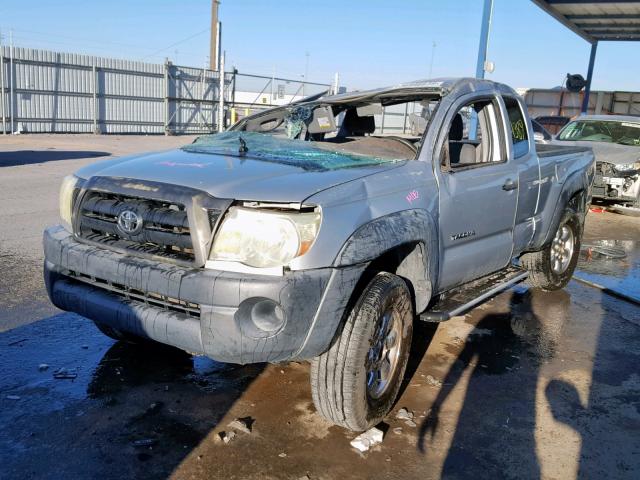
column 310, row 232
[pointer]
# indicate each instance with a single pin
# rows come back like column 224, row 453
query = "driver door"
column 478, row 192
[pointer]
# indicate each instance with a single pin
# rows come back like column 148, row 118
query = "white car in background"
column 615, row 140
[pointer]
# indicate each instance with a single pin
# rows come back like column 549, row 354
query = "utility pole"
column 306, row 73
column 214, row 54
column 433, row 52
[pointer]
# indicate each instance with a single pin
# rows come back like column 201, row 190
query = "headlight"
column 66, row 198
column 627, row 167
column 261, row 238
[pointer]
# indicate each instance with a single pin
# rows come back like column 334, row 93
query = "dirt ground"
column 529, row 385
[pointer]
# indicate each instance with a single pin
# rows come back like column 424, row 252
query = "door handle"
column 510, row 185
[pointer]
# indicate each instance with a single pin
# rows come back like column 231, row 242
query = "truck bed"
column 551, row 150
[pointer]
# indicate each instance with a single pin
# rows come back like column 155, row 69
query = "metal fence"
column 252, row 93
column 44, row 91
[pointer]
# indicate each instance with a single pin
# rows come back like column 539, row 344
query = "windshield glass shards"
column 304, row 154
column 608, row 131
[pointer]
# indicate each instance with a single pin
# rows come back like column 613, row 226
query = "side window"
column 473, row 138
column 519, row 136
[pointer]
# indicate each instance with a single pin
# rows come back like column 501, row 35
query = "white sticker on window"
column 323, row 122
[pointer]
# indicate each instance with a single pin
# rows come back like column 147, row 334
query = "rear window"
column 519, row 136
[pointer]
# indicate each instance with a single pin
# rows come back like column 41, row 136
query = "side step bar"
column 463, row 298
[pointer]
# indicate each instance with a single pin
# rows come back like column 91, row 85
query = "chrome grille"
column 165, row 227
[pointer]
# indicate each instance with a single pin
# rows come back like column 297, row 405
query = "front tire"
column 354, row 384
column 552, row 268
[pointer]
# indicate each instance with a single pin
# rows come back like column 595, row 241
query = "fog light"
column 260, row 317
column 267, row 315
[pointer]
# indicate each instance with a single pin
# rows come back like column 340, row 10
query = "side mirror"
column 538, row 137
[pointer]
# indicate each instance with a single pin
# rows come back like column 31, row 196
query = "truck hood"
column 227, row 176
column 607, row 152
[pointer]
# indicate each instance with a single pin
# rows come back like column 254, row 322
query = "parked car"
column 615, row 140
column 302, row 234
column 552, row 123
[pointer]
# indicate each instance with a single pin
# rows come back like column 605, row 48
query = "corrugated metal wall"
column 559, row 102
column 64, row 92
column 45, row 91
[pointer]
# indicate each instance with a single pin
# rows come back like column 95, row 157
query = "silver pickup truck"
column 302, row 232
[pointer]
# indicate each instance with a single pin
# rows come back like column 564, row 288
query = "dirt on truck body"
column 303, row 234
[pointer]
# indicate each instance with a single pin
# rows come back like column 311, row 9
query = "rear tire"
column 354, row 384
column 552, row 267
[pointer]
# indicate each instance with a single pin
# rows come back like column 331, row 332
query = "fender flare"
column 575, row 183
column 384, row 234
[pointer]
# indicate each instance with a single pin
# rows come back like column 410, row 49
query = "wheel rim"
column 562, row 249
column 382, row 358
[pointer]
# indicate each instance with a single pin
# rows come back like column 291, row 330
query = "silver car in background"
column 615, row 140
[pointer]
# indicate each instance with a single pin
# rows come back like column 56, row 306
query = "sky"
column 370, row 43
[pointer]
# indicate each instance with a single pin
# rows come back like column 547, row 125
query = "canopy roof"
column 597, row 20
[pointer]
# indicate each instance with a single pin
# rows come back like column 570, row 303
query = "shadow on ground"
column 498, row 344
column 31, row 157
column 132, row 411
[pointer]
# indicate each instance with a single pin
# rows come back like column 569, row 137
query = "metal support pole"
column 4, row 116
column 587, row 88
column 221, row 95
column 273, row 80
column 484, row 37
column 404, row 118
column 336, row 83
column 166, row 96
column 487, row 10
column 11, row 80
column 94, row 76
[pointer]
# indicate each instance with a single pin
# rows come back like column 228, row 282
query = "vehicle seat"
column 355, row 126
column 417, row 124
column 468, row 154
column 462, row 151
column 456, row 131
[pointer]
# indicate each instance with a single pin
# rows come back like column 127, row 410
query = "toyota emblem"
column 129, row 222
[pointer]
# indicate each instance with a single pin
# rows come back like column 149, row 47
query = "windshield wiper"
column 242, row 151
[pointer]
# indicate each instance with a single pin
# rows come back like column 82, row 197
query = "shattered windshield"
column 305, row 154
column 624, row 133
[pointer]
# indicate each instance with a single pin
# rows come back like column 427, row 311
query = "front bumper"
column 200, row 310
column 609, row 186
